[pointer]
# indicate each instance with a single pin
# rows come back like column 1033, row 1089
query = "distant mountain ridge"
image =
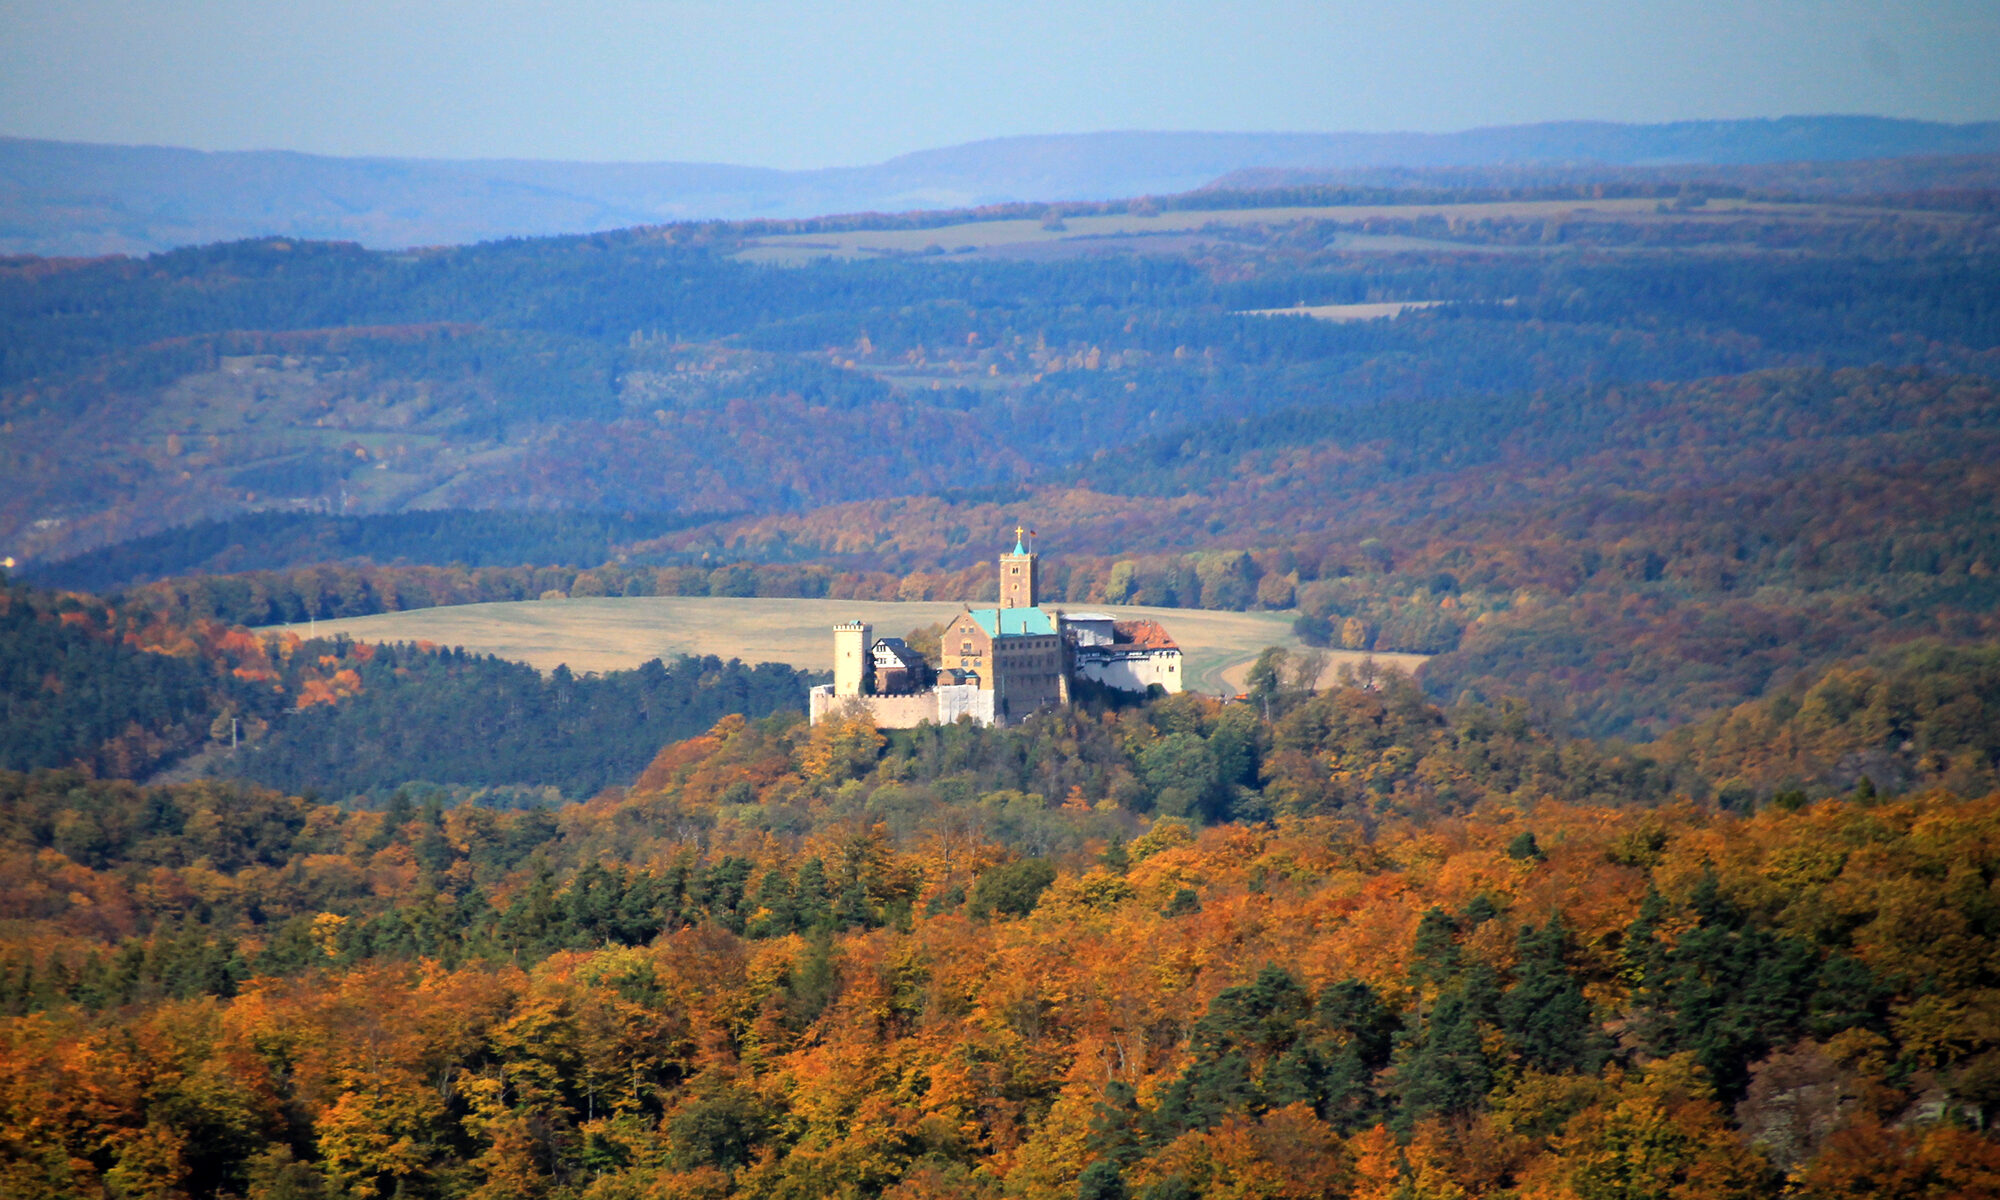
column 75, row 199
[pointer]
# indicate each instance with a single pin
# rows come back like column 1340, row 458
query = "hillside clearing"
column 618, row 633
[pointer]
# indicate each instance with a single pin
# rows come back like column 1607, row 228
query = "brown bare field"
column 610, row 634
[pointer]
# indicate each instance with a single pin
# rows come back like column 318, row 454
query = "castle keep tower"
column 1017, row 574
column 851, row 643
column 997, row 665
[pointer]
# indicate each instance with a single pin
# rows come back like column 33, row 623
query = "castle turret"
column 1017, row 573
column 851, row 642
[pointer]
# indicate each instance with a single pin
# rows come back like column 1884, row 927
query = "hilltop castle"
column 996, row 665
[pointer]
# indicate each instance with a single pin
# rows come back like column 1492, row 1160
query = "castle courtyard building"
column 996, row 665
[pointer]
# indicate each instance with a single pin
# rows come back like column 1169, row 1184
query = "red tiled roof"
column 1143, row 635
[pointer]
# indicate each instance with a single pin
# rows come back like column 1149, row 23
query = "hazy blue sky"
column 800, row 85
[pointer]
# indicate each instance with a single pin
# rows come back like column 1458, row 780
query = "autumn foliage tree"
column 1450, row 955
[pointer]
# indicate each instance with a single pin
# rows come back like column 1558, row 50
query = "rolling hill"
column 59, row 198
column 1631, row 451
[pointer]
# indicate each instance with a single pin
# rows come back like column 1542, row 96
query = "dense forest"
column 421, row 715
column 1648, row 454
column 124, row 691
column 663, row 371
column 438, row 538
column 1360, row 945
column 118, row 691
column 1670, row 874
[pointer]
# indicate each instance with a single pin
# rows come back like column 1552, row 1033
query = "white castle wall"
column 964, row 700
column 941, row 706
column 1133, row 670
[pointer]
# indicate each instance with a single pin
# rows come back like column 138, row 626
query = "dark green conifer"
column 1101, row 1180
column 1544, row 1013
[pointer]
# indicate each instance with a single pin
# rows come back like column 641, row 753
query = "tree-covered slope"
column 670, row 371
column 115, row 691
column 124, row 690
column 1382, row 946
column 424, row 716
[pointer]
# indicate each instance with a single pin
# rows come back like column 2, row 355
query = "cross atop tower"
column 1017, row 573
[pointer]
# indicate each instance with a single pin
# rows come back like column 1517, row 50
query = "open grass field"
column 609, row 634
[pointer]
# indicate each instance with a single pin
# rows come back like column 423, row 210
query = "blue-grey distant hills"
column 63, row 198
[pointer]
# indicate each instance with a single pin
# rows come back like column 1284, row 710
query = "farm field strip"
column 1343, row 312
column 618, row 633
column 987, row 235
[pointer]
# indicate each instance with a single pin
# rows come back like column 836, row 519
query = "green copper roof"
column 1013, row 622
column 1018, row 547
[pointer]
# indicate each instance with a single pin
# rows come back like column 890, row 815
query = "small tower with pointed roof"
column 1017, row 573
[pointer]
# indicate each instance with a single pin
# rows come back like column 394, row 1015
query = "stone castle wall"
column 940, row 706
